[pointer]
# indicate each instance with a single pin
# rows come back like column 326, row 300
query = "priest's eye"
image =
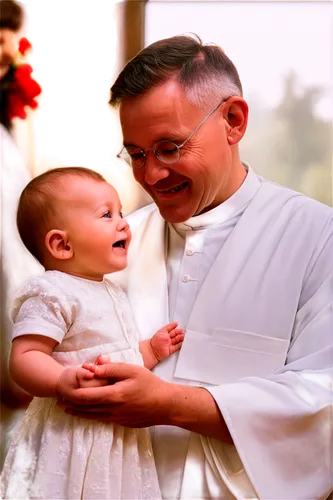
column 107, row 215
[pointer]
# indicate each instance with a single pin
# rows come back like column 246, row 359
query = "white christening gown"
column 57, row 456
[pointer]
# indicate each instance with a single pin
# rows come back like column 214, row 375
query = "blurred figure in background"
column 16, row 262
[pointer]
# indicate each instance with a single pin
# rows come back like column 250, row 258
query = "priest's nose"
column 154, row 170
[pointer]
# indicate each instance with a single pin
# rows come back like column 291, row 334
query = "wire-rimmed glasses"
column 167, row 152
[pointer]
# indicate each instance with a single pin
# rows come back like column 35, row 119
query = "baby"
column 70, row 219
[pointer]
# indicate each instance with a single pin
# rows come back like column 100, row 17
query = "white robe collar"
column 226, row 210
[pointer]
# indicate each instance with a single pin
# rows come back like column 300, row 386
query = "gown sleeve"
column 282, row 426
column 40, row 308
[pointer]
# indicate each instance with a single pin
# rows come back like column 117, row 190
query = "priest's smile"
column 172, row 192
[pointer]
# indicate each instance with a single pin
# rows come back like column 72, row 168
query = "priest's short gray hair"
column 204, row 71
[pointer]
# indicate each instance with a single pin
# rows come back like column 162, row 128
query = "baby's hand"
column 167, row 340
column 86, row 378
column 76, row 377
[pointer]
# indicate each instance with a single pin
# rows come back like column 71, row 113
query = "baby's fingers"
column 86, row 379
column 178, row 339
column 175, row 346
column 103, row 359
column 89, row 366
column 175, row 332
column 170, row 326
column 84, row 374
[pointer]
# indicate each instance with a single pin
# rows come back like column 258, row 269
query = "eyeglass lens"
column 165, row 151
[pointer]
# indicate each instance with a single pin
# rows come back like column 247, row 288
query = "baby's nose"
column 122, row 225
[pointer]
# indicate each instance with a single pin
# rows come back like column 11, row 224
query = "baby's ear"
column 58, row 244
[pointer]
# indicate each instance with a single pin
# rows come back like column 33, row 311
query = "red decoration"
column 22, row 93
column 24, row 45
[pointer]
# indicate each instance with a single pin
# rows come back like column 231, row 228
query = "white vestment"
column 259, row 337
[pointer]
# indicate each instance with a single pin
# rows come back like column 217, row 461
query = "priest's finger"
column 117, row 371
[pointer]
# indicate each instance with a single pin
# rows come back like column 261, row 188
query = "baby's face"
column 100, row 237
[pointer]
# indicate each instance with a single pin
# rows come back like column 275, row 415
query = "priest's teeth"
column 176, row 189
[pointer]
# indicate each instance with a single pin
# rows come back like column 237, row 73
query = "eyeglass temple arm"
column 203, row 121
column 191, row 135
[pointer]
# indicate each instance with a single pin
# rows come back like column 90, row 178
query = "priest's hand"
column 135, row 398
column 138, row 398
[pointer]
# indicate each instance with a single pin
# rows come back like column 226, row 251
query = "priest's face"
column 204, row 176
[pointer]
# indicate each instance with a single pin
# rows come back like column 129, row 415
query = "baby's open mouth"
column 120, row 243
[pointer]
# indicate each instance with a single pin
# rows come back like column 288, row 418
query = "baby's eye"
column 121, row 215
column 107, row 215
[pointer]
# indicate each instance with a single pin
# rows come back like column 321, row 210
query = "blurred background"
column 282, row 50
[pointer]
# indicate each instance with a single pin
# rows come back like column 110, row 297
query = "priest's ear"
column 235, row 114
column 58, row 244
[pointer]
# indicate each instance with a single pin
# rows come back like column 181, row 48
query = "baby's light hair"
column 36, row 209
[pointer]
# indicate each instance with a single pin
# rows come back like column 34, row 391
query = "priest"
column 245, row 266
